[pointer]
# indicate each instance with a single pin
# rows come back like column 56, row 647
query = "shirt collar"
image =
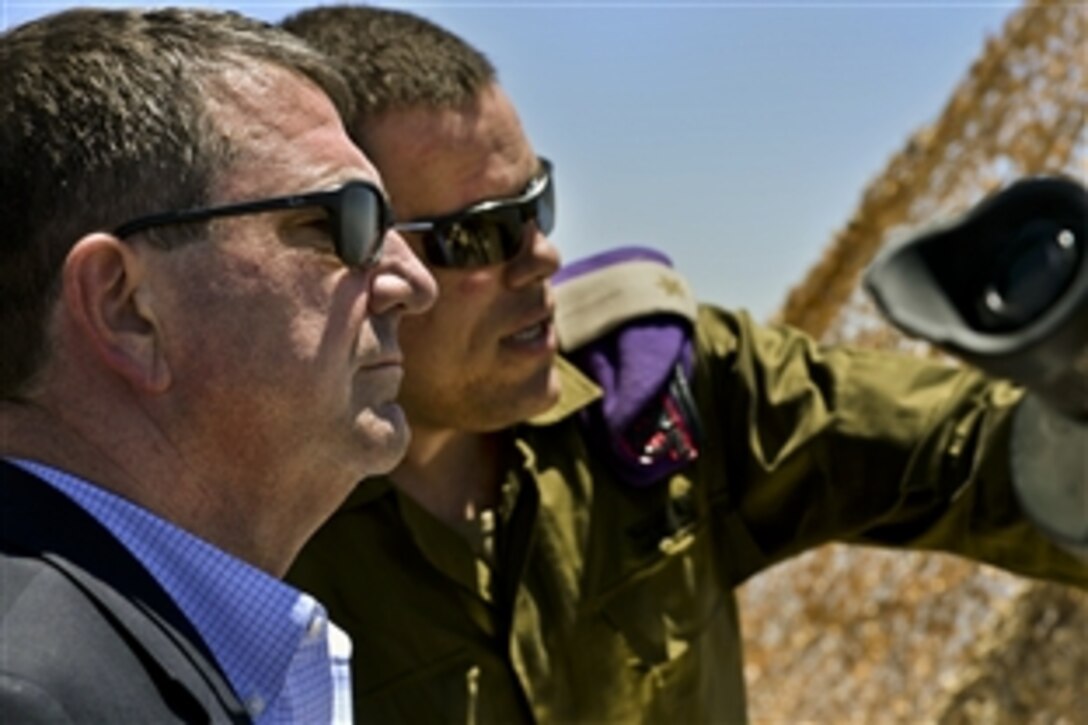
column 251, row 621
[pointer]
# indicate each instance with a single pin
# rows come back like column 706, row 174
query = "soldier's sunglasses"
column 359, row 218
column 489, row 232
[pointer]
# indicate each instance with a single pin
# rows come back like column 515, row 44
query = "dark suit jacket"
column 86, row 634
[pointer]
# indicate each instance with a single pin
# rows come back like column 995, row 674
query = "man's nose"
column 401, row 280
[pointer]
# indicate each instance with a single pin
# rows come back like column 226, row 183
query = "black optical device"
column 1004, row 287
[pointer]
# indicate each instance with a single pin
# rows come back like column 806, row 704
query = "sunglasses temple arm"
column 413, row 226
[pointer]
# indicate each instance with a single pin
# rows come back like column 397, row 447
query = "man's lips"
column 537, row 328
column 381, row 378
column 392, row 360
column 529, row 334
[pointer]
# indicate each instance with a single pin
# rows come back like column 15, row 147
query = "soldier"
column 562, row 541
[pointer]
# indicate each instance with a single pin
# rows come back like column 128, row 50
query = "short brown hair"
column 104, row 117
column 393, row 59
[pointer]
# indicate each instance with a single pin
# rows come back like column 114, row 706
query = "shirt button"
column 315, row 629
column 255, row 705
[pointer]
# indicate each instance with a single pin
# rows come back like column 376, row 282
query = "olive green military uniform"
column 585, row 599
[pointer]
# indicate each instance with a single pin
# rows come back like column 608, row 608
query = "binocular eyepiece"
column 1004, row 287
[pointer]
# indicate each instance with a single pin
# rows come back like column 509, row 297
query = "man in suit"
column 201, row 292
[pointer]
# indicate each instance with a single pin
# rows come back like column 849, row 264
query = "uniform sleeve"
column 819, row 444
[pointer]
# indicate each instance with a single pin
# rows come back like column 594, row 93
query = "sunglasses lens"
column 477, row 241
column 482, row 237
column 361, row 230
column 544, row 209
column 489, row 237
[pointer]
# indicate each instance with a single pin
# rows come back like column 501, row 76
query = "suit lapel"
column 44, row 522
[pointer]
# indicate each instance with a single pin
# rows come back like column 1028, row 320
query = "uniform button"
column 679, row 487
column 483, row 580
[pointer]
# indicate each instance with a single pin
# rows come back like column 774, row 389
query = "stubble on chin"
column 503, row 406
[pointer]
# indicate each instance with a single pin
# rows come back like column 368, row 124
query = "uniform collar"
column 576, row 392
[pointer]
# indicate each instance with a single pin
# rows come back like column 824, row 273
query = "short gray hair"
column 104, row 117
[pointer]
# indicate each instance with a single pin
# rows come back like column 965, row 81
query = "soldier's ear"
column 108, row 300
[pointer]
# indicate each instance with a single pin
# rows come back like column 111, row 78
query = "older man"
column 562, row 544
column 201, row 296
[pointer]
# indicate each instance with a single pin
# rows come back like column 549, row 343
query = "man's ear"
column 107, row 299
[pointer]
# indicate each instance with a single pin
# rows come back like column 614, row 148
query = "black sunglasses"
column 359, row 217
column 489, row 232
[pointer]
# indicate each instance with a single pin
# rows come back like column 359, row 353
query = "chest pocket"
column 668, row 593
column 469, row 686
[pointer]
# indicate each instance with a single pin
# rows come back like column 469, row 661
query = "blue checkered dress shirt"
column 284, row 658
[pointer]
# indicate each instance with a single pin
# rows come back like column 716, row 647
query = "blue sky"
column 735, row 136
